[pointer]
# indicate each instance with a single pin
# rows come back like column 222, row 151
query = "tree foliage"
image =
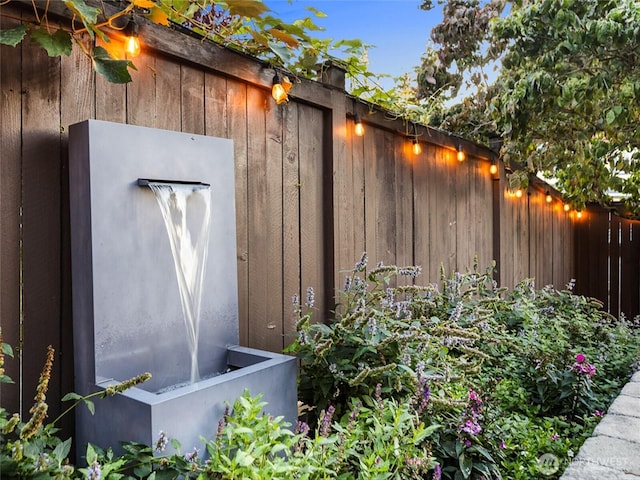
column 566, row 99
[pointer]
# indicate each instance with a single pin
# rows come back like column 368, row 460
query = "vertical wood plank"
column 338, row 139
column 110, row 98
column 386, row 201
column 215, row 105
column 371, row 156
column 507, row 237
column 462, row 200
column 168, row 94
column 422, row 210
column 358, row 193
column 535, row 232
column 257, row 217
column 404, row 205
column 192, row 99
column 41, row 175
column 274, row 320
column 11, row 92
column 237, row 117
column 141, row 92
column 290, row 218
column 615, row 254
column 547, row 241
column 311, row 124
column 630, row 264
column 482, row 214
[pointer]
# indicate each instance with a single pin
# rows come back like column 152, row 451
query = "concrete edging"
column 613, row 451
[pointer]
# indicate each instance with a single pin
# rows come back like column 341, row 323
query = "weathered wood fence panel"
column 310, row 196
column 607, row 260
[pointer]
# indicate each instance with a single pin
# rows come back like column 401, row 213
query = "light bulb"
column 548, row 198
column 132, row 46
column 417, row 149
column 358, row 128
column 131, row 41
column 278, row 91
column 493, row 169
column 579, row 214
column 519, row 193
column 460, row 156
column 566, row 207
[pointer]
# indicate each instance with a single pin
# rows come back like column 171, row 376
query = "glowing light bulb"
column 493, row 169
column 579, row 214
column 358, row 128
column 566, row 207
column 131, row 41
column 460, row 155
column 417, row 149
column 280, row 89
column 548, row 198
column 519, row 193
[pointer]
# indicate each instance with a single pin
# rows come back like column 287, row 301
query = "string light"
column 417, row 149
column 280, row 89
column 566, row 207
column 131, row 40
column 493, row 169
column 548, row 198
column 519, row 193
column 460, row 155
column 358, row 128
column 579, row 214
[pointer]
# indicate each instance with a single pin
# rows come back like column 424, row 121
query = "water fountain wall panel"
column 127, row 315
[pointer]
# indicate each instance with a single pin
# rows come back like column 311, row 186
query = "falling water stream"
column 186, row 212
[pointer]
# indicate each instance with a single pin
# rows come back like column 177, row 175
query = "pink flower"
column 502, row 445
column 580, row 358
column 598, row 413
column 554, row 437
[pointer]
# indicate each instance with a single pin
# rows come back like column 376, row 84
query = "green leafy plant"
column 505, row 372
column 32, row 449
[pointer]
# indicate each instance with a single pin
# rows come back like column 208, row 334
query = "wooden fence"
column 608, row 261
column 310, row 196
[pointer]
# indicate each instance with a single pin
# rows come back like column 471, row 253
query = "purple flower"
column 584, row 368
column 471, row 427
column 325, row 423
column 598, row 413
column 437, row 472
column 467, row 443
column 580, row 358
column 554, row 437
column 191, row 457
column 94, row 472
column 502, row 445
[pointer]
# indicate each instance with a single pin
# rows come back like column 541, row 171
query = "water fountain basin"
column 190, row 411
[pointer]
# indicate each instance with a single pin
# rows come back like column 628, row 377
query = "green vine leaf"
column 56, row 44
column 115, row 71
column 13, row 36
column 88, row 15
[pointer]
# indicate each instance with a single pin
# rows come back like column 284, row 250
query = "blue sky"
column 398, row 29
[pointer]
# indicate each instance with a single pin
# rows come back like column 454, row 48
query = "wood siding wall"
column 310, row 196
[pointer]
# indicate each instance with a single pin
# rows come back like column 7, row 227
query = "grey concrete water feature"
column 127, row 311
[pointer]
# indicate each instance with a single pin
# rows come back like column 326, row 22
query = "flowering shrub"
column 510, row 375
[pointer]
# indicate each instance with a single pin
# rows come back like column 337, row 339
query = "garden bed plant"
column 456, row 380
